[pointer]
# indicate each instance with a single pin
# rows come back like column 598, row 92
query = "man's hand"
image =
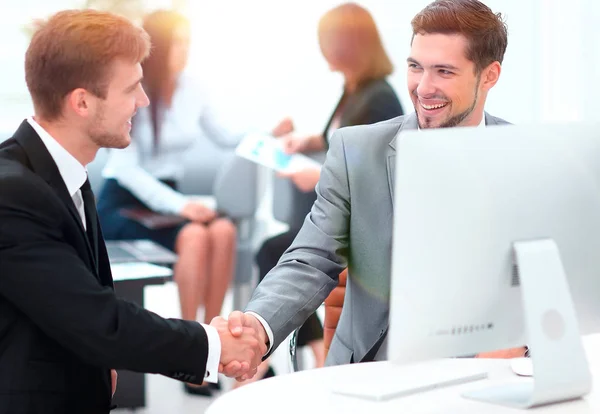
column 241, row 349
column 306, row 180
column 291, row 143
column 237, row 322
column 198, row 212
column 504, row 354
column 283, row 128
column 113, row 381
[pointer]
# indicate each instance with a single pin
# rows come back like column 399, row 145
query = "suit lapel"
column 44, row 166
column 104, row 272
column 391, row 170
column 409, row 122
column 490, row 120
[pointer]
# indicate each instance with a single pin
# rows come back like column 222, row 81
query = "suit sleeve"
column 308, row 271
column 43, row 277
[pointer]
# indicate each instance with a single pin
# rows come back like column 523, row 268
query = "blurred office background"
column 260, row 59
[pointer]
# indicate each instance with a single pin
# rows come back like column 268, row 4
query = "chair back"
column 333, row 310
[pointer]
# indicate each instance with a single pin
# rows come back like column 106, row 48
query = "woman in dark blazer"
column 351, row 44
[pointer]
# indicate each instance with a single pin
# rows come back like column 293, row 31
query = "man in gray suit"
column 456, row 54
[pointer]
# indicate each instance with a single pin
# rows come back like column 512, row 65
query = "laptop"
column 125, row 251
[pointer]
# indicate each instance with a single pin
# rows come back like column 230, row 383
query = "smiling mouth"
column 433, row 107
column 130, row 119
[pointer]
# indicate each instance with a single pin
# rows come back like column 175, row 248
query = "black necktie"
column 91, row 217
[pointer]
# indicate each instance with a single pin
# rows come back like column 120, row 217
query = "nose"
column 426, row 86
column 143, row 100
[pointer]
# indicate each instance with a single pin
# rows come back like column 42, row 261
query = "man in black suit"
column 62, row 329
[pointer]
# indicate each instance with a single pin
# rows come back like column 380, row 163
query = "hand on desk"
column 198, row 212
column 504, row 354
column 242, row 345
column 306, row 180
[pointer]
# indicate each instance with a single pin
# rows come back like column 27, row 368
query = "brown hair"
column 485, row 31
column 76, row 49
column 161, row 26
column 348, row 35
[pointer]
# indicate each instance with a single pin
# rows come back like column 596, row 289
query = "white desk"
column 130, row 280
column 309, row 391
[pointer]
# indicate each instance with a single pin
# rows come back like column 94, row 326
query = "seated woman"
column 351, row 45
column 145, row 175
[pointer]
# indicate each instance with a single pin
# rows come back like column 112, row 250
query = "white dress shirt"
column 74, row 175
column 72, row 172
column 481, row 124
column 138, row 168
column 268, row 329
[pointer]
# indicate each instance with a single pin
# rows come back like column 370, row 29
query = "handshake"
column 243, row 344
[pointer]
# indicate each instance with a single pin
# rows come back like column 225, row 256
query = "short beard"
column 456, row 120
column 100, row 137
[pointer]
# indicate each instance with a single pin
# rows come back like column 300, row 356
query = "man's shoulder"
column 494, row 120
column 13, row 169
column 383, row 131
column 18, row 181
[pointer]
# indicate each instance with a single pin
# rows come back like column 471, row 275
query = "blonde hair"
column 348, row 36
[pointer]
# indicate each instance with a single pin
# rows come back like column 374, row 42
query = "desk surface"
column 310, row 391
column 139, row 271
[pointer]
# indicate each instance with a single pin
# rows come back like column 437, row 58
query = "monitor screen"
column 463, row 198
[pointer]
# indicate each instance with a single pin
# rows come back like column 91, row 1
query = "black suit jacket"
column 61, row 326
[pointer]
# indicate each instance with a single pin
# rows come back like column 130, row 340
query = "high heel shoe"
column 202, row 390
column 269, row 373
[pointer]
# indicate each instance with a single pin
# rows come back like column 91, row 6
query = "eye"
column 446, row 72
column 414, row 66
column 133, row 88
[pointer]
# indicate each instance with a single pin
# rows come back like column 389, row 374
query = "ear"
column 80, row 102
column 490, row 75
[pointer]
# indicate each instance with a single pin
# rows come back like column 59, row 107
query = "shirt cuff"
column 267, row 329
column 177, row 203
column 214, row 354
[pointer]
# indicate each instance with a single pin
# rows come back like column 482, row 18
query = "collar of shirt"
column 72, row 172
column 481, row 124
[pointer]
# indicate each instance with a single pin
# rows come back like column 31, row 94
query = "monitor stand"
column 560, row 366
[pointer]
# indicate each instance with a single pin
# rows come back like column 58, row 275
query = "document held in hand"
column 267, row 150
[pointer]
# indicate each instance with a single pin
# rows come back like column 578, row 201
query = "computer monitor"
column 497, row 245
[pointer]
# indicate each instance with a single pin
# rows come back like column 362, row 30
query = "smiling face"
column 444, row 86
column 110, row 124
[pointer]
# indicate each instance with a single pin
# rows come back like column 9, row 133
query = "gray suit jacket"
column 350, row 225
